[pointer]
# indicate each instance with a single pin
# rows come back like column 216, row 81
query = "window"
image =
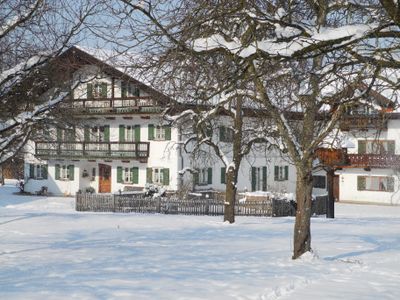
column 226, row 134
column 319, row 182
column 97, row 134
column 129, row 90
column 375, row 183
column 203, row 176
column 129, row 133
column 376, row 147
column 37, row 171
column 160, row 133
column 128, row 175
column 259, row 179
column 281, row 173
column 158, row 176
column 64, row 172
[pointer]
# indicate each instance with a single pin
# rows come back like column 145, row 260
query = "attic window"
column 97, row 90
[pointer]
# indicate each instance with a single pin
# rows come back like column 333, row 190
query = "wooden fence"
column 199, row 206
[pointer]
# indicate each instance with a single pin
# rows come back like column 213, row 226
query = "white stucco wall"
column 348, row 187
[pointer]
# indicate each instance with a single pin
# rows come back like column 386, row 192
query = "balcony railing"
column 373, row 160
column 144, row 104
column 107, row 150
column 363, row 122
column 332, row 157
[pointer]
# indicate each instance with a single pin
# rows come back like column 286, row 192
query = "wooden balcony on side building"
column 373, row 160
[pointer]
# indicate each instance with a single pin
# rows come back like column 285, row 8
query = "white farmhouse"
column 122, row 143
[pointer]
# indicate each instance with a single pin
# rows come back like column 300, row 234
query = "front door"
column 104, row 178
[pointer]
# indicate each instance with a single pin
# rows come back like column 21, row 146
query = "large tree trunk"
column 230, row 195
column 302, row 232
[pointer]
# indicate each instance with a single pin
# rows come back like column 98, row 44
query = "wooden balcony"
column 373, row 161
column 363, row 122
column 332, row 157
column 126, row 105
column 93, row 150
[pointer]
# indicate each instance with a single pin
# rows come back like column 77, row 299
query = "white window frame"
column 259, row 179
column 64, row 172
column 281, row 173
column 126, row 175
column 129, row 133
column 159, row 133
column 203, row 176
column 158, row 176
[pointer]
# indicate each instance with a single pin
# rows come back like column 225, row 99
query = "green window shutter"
column 391, row 147
column 390, row 184
column 119, row 175
column 135, row 175
column 276, row 173
column 361, row 183
column 209, row 176
column 264, row 178
column 104, row 90
column 196, row 177
column 123, row 89
column 107, row 133
column 286, row 172
column 167, row 129
column 136, row 91
column 151, row 132
column 222, row 133
column 166, row 176
column 44, row 171
column 71, row 172
column 121, row 133
column 59, row 135
column 86, row 134
column 31, row 171
column 137, row 133
column 57, row 172
column 253, row 178
column 223, row 174
column 149, row 175
column 89, row 91
column 362, row 147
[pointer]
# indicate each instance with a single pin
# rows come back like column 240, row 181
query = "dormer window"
column 97, row 90
column 129, row 90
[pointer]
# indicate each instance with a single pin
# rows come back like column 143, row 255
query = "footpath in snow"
column 50, row 251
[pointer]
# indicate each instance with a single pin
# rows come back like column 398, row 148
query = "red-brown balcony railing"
column 332, row 157
column 373, row 160
column 108, row 150
column 144, row 104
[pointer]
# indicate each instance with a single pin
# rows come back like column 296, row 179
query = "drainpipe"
column 180, row 158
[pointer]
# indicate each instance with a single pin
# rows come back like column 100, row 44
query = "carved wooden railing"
column 128, row 150
column 373, row 160
column 145, row 104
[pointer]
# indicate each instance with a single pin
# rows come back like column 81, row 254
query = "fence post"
column 114, row 208
column 159, row 205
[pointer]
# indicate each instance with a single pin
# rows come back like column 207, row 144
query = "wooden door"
column 104, row 178
column 336, row 187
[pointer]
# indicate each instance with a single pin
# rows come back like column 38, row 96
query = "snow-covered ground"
column 49, row 251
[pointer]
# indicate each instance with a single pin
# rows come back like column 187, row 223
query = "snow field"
column 49, row 251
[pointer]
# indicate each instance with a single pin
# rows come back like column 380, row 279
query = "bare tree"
column 296, row 57
column 33, row 34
